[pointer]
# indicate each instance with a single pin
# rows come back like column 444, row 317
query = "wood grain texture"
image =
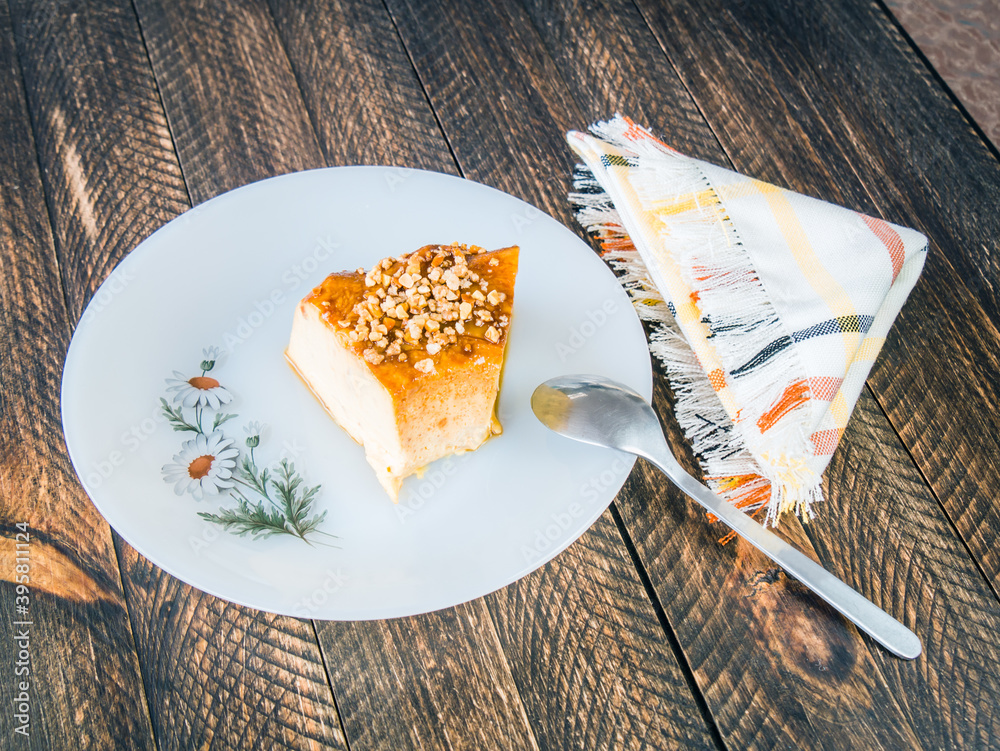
column 226, row 59
column 600, row 51
column 609, row 679
column 590, row 660
column 415, row 663
column 905, row 556
column 438, row 680
column 84, row 688
column 222, row 676
column 215, row 675
column 488, row 88
column 827, row 99
column 365, row 101
column 778, row 668
column 95, row 108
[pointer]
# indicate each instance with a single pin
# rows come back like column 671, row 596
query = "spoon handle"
column 874, row 621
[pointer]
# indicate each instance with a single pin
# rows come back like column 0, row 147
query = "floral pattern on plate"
column 270, row 500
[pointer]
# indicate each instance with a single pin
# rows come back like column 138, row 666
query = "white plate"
column 229, row 274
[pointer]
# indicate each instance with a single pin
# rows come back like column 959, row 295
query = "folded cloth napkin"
column 769, row 307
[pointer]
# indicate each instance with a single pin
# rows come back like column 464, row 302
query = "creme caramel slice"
column 407, row 357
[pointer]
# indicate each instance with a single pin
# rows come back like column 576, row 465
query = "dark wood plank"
column 799, row 151
column 228, row 61
column 215, row 675
column 489, row 88
column 358, row 85
column 609, row 679
column 442, row 675
column 223, row 676
column 121, row 128
column 84, row 688
column 438, row 680
column 591, row 661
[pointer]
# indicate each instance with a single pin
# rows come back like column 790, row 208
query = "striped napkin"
column 768, row 307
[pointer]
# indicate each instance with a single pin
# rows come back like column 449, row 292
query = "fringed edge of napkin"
column 707, row 242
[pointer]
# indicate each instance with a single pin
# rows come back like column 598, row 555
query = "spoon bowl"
column 602, row 412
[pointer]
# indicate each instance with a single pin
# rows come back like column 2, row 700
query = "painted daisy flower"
column 204, row 465
column 200, row 390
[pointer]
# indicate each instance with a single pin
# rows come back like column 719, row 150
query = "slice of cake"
column 407, row 357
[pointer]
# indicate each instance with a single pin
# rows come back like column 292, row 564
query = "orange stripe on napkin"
column 825, row 441
column 825, row 388
column 794, row 395
column 890, row 238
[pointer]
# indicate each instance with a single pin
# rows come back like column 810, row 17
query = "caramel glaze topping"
column 427, row 312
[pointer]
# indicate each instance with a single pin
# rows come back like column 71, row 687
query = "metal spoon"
column 602, row 412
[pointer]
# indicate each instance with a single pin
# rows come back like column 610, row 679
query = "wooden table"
column 116, row 117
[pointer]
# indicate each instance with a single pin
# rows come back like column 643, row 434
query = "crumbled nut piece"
column 493, row 297
column 464, row 310
column 492, row 335
column 477, row 295
column 433, row 348
column 424, row 366
column 373, row 357
column 494, row 262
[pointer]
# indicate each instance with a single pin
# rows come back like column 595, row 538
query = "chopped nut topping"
column 419, row 300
